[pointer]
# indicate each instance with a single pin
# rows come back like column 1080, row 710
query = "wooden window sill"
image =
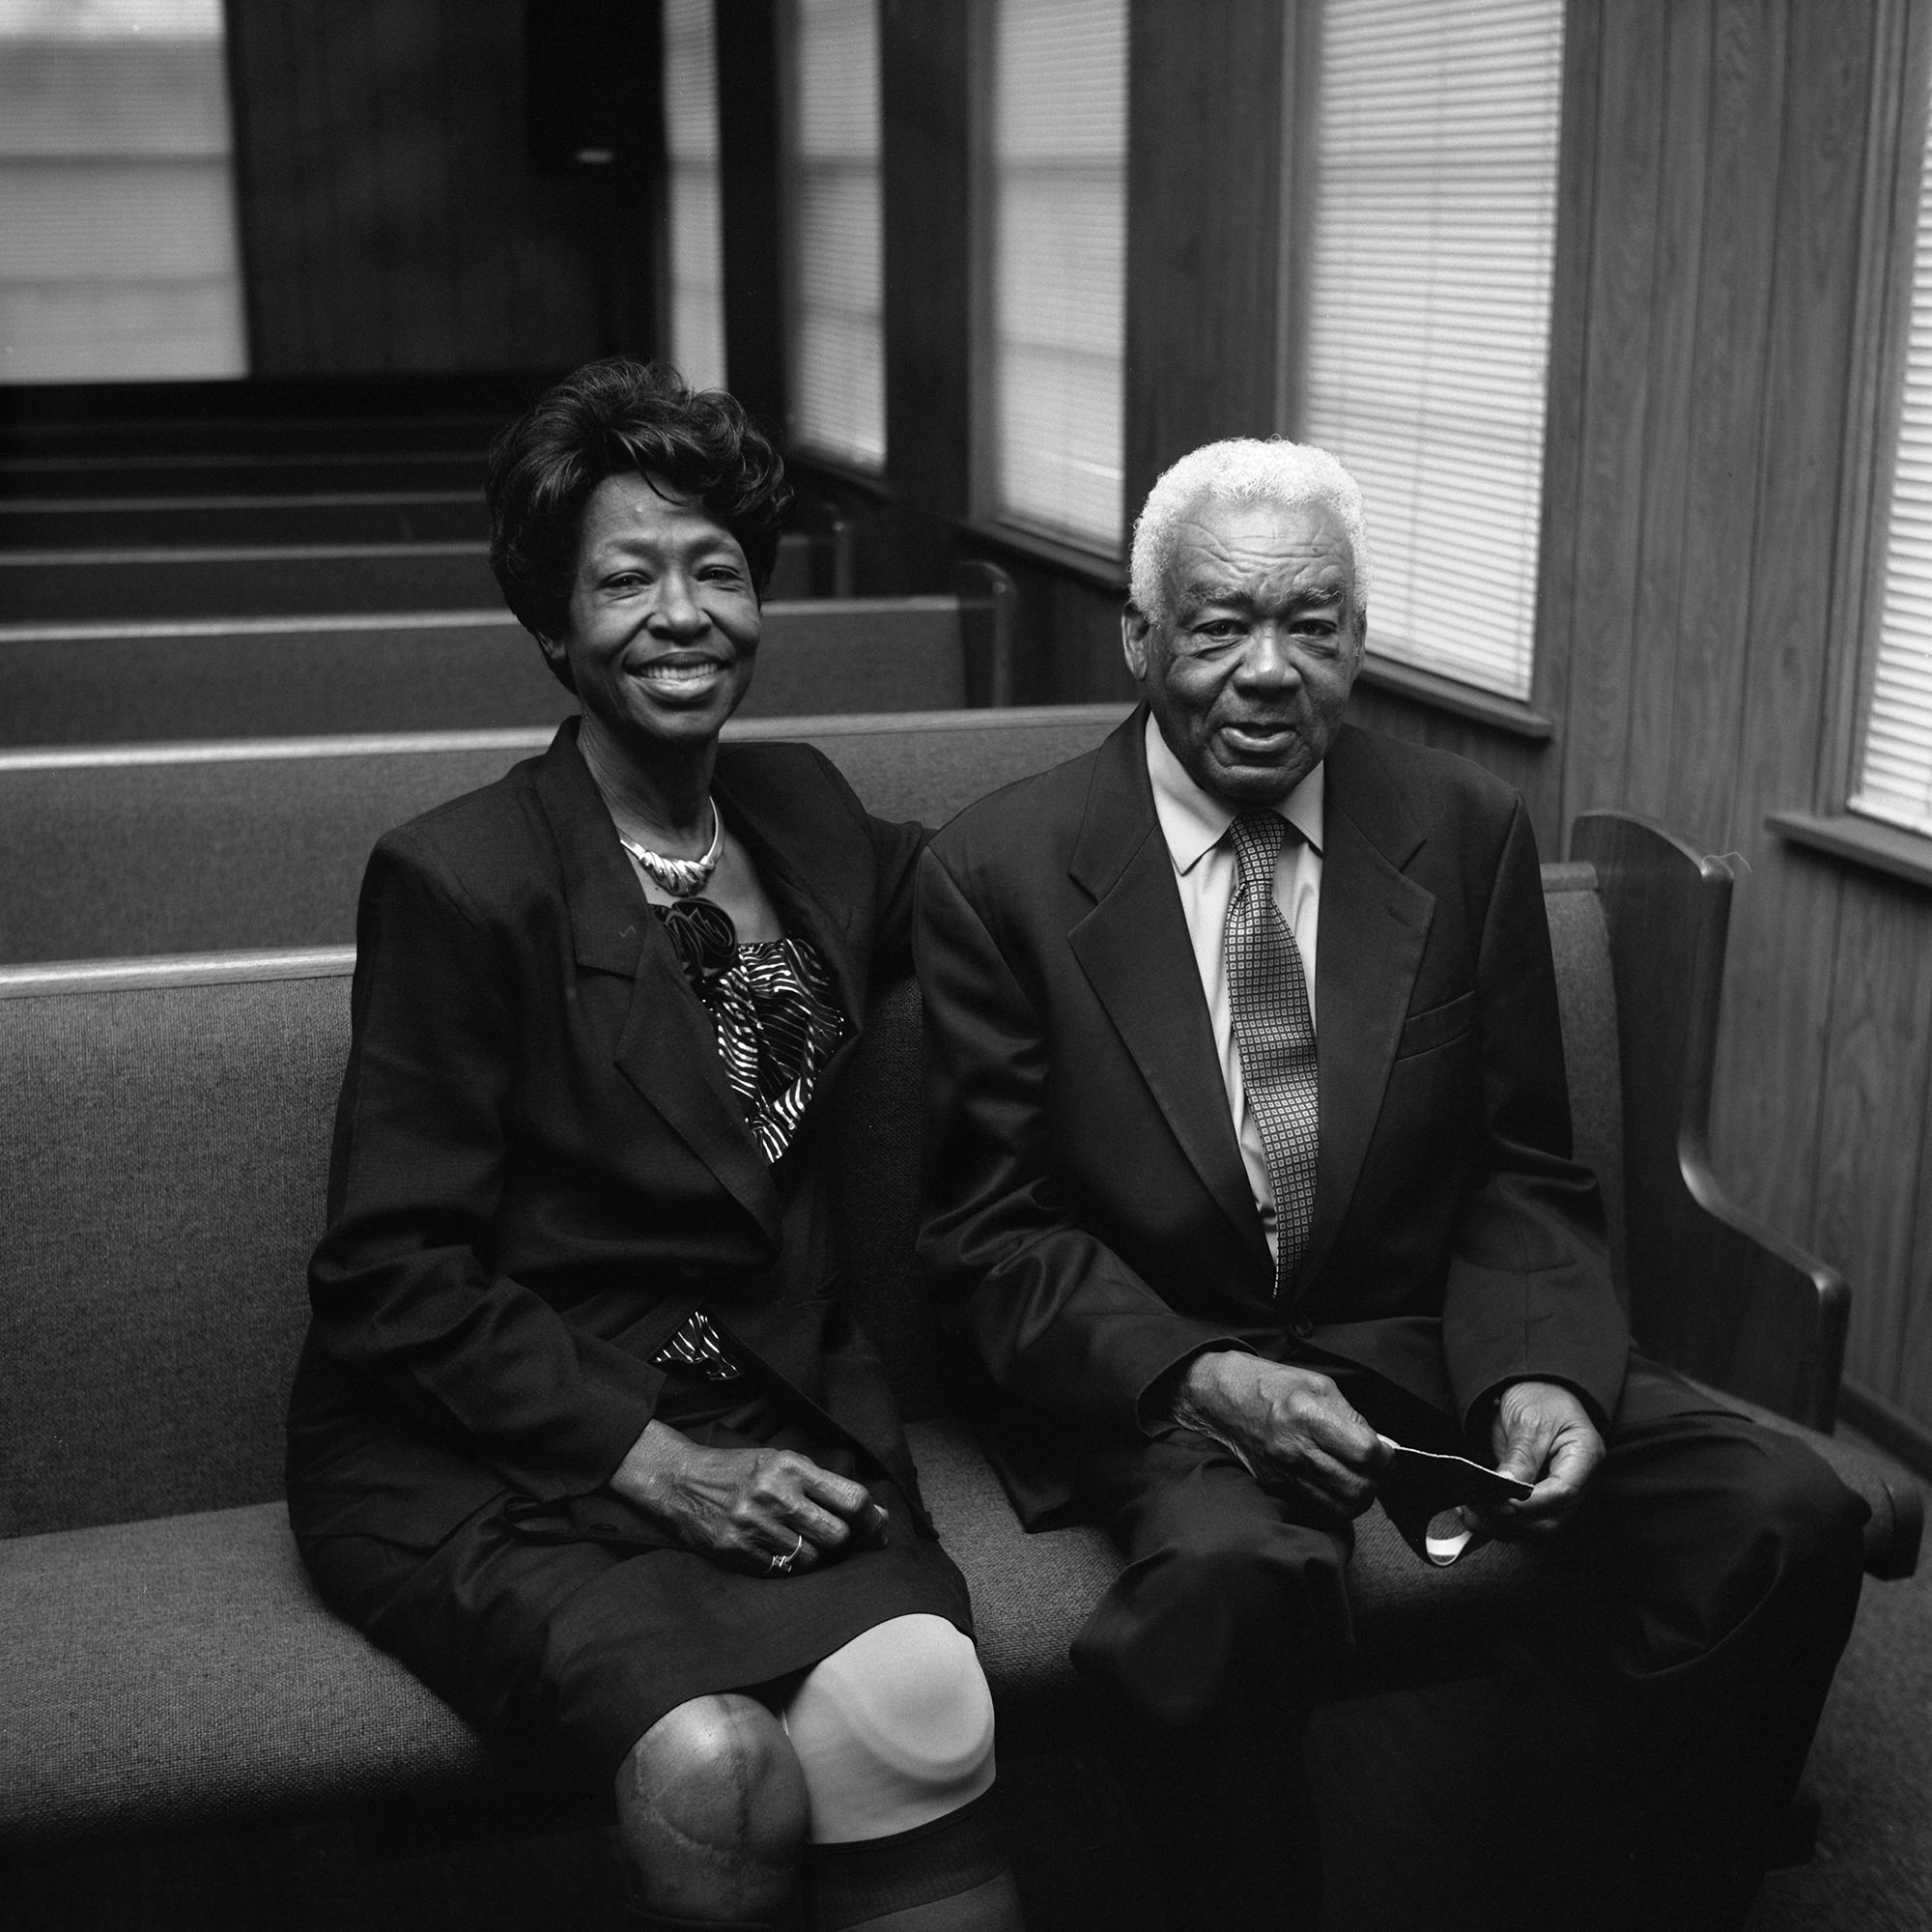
column 841, row 469
column 1465, row 700
column 1104, row 573
column 1863, row 841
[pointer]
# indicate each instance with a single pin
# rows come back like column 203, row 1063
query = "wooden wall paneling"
column 1779, row 987
column 390, row 220
column 361, row 250
column 1526, row 763
column 278, row 183
column 309, row 128
column 750, row 205
column 534, row 241
column 1563, row 406
column 1727, row 415
column 926, row 108
column 472, row 94
column 1872, row 1125
column 1602, row 638
column 263, row 179
column 1066, row 634
column 1912, row 1382
column 1203, row 238
column 1666, row 480
column 419, row 171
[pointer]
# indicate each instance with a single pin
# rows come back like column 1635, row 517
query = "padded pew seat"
column 180, row 1671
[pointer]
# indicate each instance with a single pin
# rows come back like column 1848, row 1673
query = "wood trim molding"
column 1894, row 1432
column 1862, row 842
column 1085, row 566
column 1464, row 700
column 1901, row 68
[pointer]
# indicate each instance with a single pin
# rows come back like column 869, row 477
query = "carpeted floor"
column 1406, row 1852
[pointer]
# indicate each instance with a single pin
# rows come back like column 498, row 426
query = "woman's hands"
column 747, row 1506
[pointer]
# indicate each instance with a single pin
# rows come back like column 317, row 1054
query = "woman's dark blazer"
column 538, row 1169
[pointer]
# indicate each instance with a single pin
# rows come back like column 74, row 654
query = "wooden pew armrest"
column 1714, row 1291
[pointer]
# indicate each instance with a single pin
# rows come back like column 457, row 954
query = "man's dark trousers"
column 1716, row 1568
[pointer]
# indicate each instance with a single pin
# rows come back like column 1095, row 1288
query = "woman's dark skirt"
column 578, row 1626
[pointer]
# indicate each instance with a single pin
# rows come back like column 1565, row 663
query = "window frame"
column 1895, row 156
column 1103, row 566
column 1534, row 717
column 841, row 463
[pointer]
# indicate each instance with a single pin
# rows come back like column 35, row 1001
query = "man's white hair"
column 1243, row 469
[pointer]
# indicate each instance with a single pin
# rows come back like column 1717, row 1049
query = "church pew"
column 276, row 472
column 172, row 1667
column 237, row 520
column 247, row 580
column 442, row 670
column 289, row 570
column 190, row 848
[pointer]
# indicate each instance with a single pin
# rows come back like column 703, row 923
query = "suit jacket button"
column 1302, row 1326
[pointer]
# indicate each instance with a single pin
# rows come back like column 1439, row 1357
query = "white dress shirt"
column 1195, row 826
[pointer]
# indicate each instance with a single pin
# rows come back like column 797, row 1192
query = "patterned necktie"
column 1274, row 1030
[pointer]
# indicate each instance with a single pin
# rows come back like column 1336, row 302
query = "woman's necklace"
column 682, row 878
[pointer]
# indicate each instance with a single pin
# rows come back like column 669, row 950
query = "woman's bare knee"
column 712, row 1810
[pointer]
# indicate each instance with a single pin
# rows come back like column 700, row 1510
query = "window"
column 1428, row 327
column 1894, row 781
column 696, row 295
column 834, row 282
column 1054, row 205
column 118, row 257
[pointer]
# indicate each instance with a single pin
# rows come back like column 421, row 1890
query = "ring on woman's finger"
column 782, row 1565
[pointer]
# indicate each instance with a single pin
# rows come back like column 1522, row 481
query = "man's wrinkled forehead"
column 1265, row 555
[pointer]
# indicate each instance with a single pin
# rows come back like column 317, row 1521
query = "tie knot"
column 1259, row 836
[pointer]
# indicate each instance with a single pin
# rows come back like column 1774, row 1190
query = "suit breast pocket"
column 1439, row 1026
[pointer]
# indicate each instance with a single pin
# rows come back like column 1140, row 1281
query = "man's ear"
column 1134, row 629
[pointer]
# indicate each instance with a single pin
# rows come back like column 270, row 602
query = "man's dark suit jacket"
column 539, row 1169
column 1087, row 1213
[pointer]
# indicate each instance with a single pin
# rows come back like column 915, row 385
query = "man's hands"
column 1541, row 1434
column 1289, row 1427
column 746, row 1506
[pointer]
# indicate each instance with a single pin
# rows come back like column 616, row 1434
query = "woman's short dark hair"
column 621, row 417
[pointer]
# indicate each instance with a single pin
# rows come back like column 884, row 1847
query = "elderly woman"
column 581, row 1431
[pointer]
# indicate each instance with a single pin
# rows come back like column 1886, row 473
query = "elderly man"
column 1249, row 1155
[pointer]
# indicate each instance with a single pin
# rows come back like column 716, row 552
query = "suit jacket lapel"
column 666, row 1049
column 816, row 876
column 1375, row 921
column 1134, row 948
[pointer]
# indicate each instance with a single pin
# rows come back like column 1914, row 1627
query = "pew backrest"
column 157, row 681
column 201, row 848
column 162, row 1164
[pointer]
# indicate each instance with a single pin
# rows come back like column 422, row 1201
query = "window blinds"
column 118, row 257
column 835, row 290
column 696, row 297
column 1896, row 769
column 1056, row 210
column 1429, row 313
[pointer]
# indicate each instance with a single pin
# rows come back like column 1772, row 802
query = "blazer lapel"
column 666, row 1049
column 817, row 874
column 1375, row 921
column 1134, row 948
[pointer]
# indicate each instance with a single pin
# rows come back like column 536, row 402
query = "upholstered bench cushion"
column 181, row 1671
column 177, row 1671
